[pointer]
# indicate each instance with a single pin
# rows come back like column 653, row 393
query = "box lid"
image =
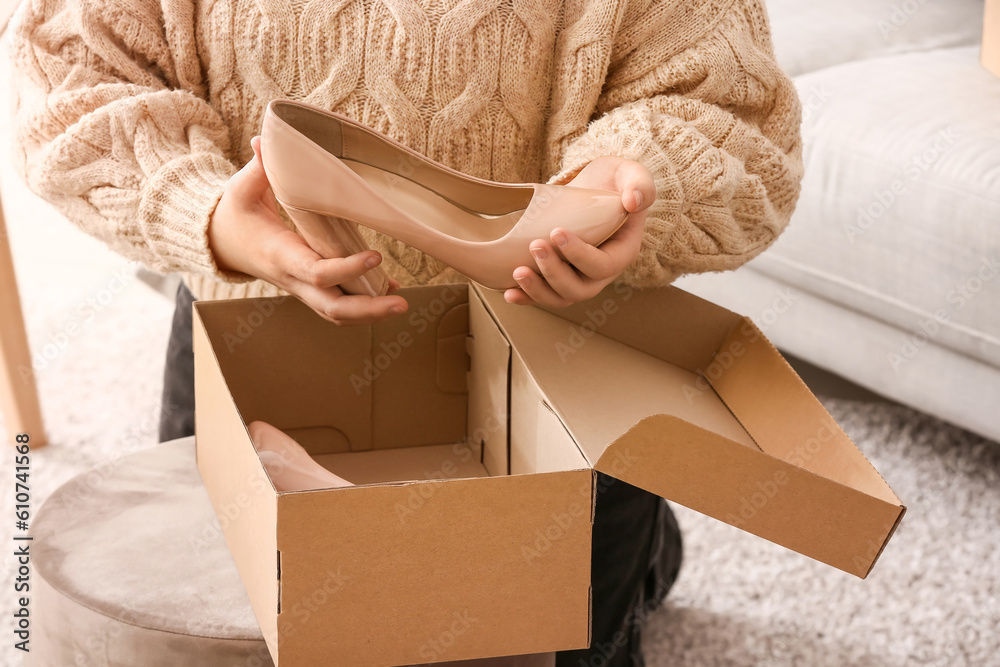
column 688, row 400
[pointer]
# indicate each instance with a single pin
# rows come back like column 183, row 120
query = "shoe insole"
column 434, row 210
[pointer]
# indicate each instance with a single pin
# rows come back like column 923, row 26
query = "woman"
column 134, row 118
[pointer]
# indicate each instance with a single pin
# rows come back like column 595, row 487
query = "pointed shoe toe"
column 329, row 172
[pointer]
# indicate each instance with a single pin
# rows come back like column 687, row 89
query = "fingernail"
column 560, row 239
column 638, row 199
column 373, row 261
column 395, row 310
column 539, row 253
column 522, row 278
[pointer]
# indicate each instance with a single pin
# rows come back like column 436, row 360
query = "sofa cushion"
column 899, row 215
column 813, row 34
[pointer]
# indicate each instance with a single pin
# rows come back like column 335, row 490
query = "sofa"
column 889, row 272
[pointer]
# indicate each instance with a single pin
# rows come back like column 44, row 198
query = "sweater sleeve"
column 693, row 92
column 111, row 126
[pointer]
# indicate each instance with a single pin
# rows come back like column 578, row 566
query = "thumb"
column 250, row 187
column 251, row 180
column 255, row 145
column 635, row 183
column 255, row 167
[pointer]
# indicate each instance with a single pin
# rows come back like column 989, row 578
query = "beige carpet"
column 932, row 599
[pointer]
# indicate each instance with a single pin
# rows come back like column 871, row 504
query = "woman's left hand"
column 587, row 269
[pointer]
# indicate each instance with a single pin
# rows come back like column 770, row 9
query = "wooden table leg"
column 18, row 392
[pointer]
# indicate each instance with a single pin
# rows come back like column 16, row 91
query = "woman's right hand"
column 247, row 235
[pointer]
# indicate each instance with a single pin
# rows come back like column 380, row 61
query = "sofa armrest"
column 990, row 55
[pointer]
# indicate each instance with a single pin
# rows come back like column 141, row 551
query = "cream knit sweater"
column 131, row 115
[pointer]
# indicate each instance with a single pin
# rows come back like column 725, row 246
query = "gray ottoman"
column 132, row 570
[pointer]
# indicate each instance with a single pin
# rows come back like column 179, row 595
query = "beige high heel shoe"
column 287, row 463
column 327, row 170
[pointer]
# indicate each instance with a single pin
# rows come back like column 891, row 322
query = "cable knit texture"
column 131, row 115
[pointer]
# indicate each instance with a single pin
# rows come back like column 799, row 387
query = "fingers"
column 570, row 270
column 517, row 296
column 537, row 289
column 350, row 309
column 559, row 276
column 313, row 279
column 599, row 263
column 304, row 265
column 247, row 235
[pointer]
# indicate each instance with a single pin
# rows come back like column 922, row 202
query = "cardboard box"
column 990, row 54
column 473, row 428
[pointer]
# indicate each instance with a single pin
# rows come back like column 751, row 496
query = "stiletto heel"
column 334, row 237
column 337, row 169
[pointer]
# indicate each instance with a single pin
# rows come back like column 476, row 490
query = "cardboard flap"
column 489, row 396
column 600, row 387
column 785, row 504
column 787, row 420
column 646, row 319
column 691, row 402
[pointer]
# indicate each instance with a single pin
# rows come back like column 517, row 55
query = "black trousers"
column 637, row 543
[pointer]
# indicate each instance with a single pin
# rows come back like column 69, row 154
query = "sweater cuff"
column 628, row 132
column 174, row 212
